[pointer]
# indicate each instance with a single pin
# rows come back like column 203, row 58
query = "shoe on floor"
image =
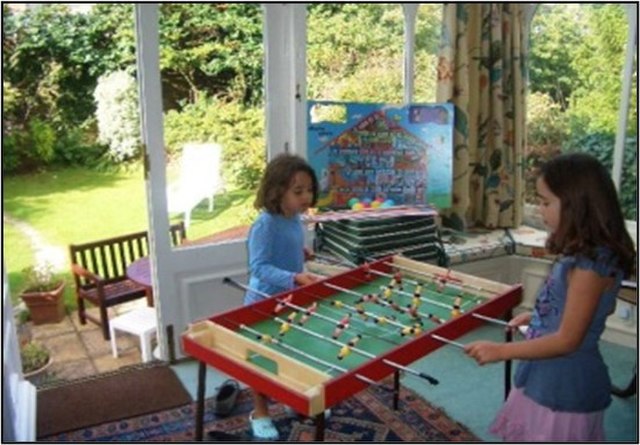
column 263, row 428
column 225, row 397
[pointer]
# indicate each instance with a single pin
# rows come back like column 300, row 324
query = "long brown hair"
column 277, row 180
column 590, row 214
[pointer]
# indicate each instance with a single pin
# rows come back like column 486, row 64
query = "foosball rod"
column 435, row 277
column 496, row 321
column 447, row 341
column 334, row 260
column 426, row 300
column 415, row 283
column 362, row 352
column 401, row 292
column 232, row 282
column 280, row 343
column 435, row 336
column 383, row 302
column 369, row 314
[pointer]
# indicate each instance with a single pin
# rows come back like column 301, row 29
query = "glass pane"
column 427, row 42
column 577, row 54
column 212, row 80
column 354, row 52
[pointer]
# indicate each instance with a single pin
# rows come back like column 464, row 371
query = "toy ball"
column 375, row 204
column 352, row 201
column 357, row 206
column 388, row 203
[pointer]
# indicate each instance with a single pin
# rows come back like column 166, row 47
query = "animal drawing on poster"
column 380, row 152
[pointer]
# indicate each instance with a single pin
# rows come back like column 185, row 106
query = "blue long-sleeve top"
column 276, row 254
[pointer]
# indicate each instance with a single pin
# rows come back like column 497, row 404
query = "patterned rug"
column 368, row 416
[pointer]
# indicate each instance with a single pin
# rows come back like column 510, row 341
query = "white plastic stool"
column 141, row 322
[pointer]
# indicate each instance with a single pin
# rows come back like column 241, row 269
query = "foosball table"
column 319, row 344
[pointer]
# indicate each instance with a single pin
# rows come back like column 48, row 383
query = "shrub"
column 28, row 149
column 117, row 114
column 239, row 130
column 78, row 146
column 34, row 356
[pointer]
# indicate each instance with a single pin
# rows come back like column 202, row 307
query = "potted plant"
column 43, row 293
column 35, row 361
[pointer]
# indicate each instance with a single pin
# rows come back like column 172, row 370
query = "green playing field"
column 373, row 327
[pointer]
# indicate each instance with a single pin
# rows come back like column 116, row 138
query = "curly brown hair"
column 590, row 214
column 277, row 180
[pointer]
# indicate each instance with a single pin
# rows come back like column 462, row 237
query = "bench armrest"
column 87, row 275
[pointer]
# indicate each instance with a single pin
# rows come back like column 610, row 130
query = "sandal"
column 263, row 428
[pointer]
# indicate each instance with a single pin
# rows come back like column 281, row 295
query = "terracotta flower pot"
column 45, row 306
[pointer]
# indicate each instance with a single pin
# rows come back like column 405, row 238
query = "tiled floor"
column 80, row 351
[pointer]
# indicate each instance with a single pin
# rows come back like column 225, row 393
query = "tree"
column 555, row 37
column 598, row 65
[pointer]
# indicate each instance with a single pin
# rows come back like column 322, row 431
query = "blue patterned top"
column 577, row 382
column 276, row 254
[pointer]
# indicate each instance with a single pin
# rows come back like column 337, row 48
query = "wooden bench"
column 99, row 270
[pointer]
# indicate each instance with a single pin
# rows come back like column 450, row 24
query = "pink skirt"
column 522, row 420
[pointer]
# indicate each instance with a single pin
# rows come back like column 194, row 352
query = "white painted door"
column 187, row 281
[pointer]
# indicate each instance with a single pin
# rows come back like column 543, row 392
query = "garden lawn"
column 78, row 205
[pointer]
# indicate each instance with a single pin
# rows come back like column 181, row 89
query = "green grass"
column 78, row 205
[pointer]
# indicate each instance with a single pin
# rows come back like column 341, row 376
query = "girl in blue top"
column 561, row 385
column 276, row 248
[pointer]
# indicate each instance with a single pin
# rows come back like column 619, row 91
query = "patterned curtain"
column 481, row 70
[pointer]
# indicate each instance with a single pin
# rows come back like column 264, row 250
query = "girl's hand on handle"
column 484, row 352
column 304, row 278
column 522, row 319
column 308, row 254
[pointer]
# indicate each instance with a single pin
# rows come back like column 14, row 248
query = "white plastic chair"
column 200, row 178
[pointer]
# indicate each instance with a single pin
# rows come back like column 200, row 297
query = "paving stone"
column 94, row 342
column 110, row 363
column 80, row 351
column 73, row 369
column 65, row 347
column 52, row 329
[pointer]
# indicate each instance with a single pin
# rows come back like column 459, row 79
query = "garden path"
column 56, row 255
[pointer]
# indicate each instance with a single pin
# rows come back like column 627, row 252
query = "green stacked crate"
column 360, row 240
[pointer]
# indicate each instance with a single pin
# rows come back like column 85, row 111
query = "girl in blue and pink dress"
column 562, row 386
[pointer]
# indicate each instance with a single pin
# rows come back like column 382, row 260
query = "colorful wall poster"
column 376, row 151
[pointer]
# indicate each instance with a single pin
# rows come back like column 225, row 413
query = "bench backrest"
column 110, row 257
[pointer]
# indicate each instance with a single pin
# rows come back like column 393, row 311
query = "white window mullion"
column 621, row 133
column 410, row 11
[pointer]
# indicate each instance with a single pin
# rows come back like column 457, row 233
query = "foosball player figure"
column 307, row 313
column 360, row 310
column 282, row 304
column 398, row 277
column 455, row 311
column 341, row 326
column 346, row 349
column 367, row 271
column 284, row 328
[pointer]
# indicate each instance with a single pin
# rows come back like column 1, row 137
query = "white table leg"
column 114, row 345
column 145, row 346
